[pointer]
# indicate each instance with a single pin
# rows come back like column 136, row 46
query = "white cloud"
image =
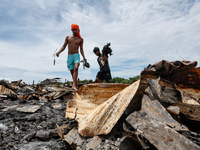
column 140, row 32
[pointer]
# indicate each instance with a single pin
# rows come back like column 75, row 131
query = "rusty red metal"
column 188, row 77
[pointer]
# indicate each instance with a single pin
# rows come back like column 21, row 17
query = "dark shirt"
column 103, row 64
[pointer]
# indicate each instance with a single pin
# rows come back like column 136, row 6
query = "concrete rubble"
column 159, row 111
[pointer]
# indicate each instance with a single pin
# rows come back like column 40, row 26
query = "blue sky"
column 141, row 32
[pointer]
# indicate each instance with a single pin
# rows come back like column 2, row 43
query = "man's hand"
column 57, row 54
column 85, row 59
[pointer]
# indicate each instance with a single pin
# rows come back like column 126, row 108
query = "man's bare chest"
column 74, row 40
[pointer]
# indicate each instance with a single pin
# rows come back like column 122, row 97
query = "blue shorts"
column 72, row 59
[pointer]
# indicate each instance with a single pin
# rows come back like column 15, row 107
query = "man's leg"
column 98, row 76
column 75, row 75
column 72, row 72
column 97, row 80
column 108, row 76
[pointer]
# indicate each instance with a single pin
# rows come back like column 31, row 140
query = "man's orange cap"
column 75, row 26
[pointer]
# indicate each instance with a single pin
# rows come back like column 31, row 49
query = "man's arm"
column 81, row 50
column 63, row 47
column 105, row 57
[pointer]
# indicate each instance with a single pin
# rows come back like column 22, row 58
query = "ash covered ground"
column 20, row 129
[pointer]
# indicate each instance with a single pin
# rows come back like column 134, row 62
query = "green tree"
column 123, row 80
column 133, row 79
column 85, row 81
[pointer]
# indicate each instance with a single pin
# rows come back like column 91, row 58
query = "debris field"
column 159, row 111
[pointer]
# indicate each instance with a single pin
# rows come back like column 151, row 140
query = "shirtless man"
column 73, row 61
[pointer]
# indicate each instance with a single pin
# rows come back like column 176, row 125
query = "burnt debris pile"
column 159, row 111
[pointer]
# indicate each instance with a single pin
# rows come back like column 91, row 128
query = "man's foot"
column 75, row 89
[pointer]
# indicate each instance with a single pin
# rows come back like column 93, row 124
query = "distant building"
column 49, row 81
column 57, row 79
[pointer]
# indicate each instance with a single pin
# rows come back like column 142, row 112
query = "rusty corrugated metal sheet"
column 100, row 92
column 157, row 111
column 193, row 93
column 188, row 77
column 100, row 119
column 191, row 112
column 96, row 115
column 90, row 96
column 169, row 93
column 159, row 134
column 135, row 104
